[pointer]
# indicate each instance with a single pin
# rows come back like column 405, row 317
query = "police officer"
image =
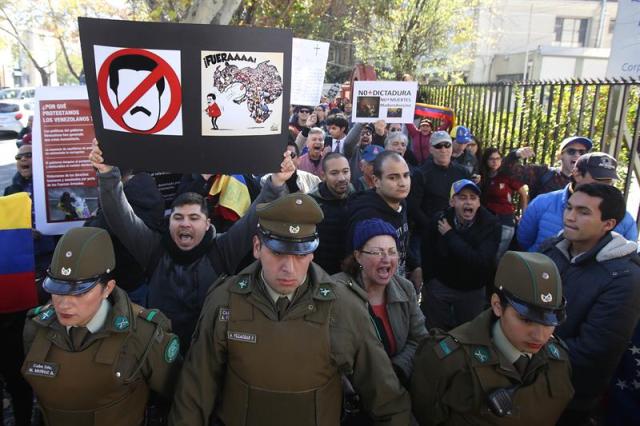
column 273, row 341
column 92, row 355
column 504, row 367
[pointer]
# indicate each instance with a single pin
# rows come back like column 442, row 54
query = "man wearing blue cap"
column 460, row 259
column 461, row 136
column 504, row 367
column 273, row 341
column 541, row 178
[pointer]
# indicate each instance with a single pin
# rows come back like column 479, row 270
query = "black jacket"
column 430, row 188
column 602, row 288
column 463, row 259
column 331, row 251
column 369, row 205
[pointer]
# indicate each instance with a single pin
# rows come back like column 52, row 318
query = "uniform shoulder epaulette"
column 152, row 315
column 43, row 313
column 444, row 345
column 34, row 312
column 557, row 349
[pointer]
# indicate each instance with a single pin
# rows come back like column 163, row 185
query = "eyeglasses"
column 304, row 111
column 25, row 155
column 444, row 145
column 378, row 252
column 365, row 132
column 394, row 129
column 573, row 151
column 293, row 154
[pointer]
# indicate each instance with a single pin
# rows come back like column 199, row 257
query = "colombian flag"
column 17, row 264
column 233, row 196
column 436, row 112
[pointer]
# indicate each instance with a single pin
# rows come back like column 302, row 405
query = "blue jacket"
column 602, row 288
column 543, row 219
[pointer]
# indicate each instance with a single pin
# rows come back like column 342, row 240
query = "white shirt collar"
column 503, row 344
column 98, row 320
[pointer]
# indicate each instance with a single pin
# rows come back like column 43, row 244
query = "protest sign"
column 64, row 182
column 391, row 101
column 188, row 98
column 308, row 65
column 624, row 60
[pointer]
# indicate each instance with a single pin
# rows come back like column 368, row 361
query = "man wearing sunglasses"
column 601, row 279
column 541, row 178
column 505, row 366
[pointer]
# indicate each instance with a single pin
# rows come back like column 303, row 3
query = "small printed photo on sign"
column 241, row 93
column 394, row 112
column 368, row 106
column 139, row 89
column 72, row 203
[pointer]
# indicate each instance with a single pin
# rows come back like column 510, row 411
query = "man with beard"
column 183, row 262
column 460, row 259
column 601, row 278
column 387, row 202
column 541, row 178
column 331, row 195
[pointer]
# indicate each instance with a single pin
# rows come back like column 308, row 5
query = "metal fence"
column 542, row 113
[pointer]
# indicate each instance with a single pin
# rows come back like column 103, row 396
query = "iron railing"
column 542, row 113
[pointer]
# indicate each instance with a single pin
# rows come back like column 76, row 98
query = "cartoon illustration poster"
column 188, row 98
column 241, row 93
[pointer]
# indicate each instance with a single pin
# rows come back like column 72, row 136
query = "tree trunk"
column 211, row 11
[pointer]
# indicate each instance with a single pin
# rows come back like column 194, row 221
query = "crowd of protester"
column 429, row 228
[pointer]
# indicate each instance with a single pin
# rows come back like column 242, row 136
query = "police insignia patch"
column 242, row 283
column 121, row 323
column 481, row 354
column 553, row 350
column 172, row 350
column 46, row 314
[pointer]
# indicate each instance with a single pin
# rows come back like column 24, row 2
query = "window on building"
column 571, row 32
column 612, row 25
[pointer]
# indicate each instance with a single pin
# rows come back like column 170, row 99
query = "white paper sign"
column 64, row 182
column 308, row 65
column 391, row 101
column 624, row 60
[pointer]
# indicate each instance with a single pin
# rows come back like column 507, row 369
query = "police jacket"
column 602, row 288
column 331, row 231
column 405, row 317
column 106, row 381
column 463, row 259
column 178, row 280
column 543, row 219
column 249, row 368
column 455, row 372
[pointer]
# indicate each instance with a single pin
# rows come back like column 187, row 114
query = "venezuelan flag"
column 17, row 264
column 436, row 112
column 233, row 196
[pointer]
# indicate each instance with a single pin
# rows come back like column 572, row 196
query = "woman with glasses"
column 371, row 271
column 498, row 186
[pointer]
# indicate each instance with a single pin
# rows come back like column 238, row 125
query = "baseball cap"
column 439, row 136
column 81, row 258
column 531, row 284
column 370, row 153
column 288, row 225
column 426, row 121
column 598, row 164
column 461, row 184
column 461, row 134
column 588, row 143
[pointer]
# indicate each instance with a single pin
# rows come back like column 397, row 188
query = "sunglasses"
column 573, row 151
column 444, row 145
column 305, row 111
column 25, row 155
column 293, row 154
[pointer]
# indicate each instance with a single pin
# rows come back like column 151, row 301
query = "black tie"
column 521, row 364
column 78, row 334
column 281, row 306
column 337, row 146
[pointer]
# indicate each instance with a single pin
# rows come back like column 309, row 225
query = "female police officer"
column 504, row 367
column 92, row 355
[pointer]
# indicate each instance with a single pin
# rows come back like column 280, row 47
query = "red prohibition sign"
column 162, row 70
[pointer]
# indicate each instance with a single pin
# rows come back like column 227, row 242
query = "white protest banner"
column 391, row 101
column 624, row 60
column 308, row 64
column 64, row 182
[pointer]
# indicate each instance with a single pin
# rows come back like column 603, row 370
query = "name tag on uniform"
column 42, row 369
column 241, row 337
column 224, row 314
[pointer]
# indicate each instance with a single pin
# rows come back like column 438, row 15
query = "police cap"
column 531, row 284
column 81, row 258
column 288, row 224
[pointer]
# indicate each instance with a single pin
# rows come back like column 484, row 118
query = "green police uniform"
column 250, row 366
column 104, row 380
column 456, row 372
